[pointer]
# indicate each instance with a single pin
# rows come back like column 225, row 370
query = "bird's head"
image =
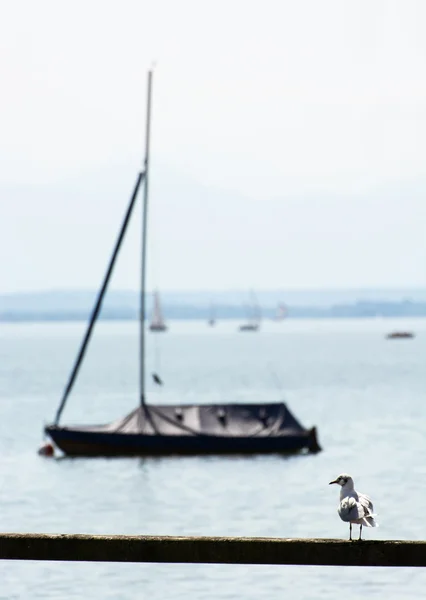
column 343, row 480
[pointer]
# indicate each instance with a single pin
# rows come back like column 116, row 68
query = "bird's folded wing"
column 351, row 510
column 366, row 504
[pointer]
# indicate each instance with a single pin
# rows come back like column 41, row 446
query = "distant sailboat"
column 212, row 320
column 281, row 312
column 253, row 321
column 157, row 320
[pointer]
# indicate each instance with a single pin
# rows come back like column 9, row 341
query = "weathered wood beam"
column 219, row 550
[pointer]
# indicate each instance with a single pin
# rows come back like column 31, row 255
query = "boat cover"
column 229, row 420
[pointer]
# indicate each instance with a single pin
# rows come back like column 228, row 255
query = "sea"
column 365, row 394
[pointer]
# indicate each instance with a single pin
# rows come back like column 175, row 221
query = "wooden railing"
column 219, row 550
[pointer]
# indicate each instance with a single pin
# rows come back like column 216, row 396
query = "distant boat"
column 253, row 321
column 157, row 320
column 179, row 429
column 281, row 312
column 398, row 335
column 249, row 327
column 212, row 320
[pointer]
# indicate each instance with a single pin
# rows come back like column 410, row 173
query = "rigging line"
column 154, row 279
column 152, row 269
column 276, row 379
column 142, row 316
column 157, row 354
column 99, row 299
column 156, row 375
column 142, row 320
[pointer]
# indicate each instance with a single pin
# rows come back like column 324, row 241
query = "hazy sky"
column 288, row 149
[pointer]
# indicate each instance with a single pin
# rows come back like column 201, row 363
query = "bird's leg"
column 350, row 531
column 360, row 531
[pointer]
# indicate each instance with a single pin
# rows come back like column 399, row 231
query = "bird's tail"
column 370, row 521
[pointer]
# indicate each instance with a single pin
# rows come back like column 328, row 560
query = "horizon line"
column 361, row 288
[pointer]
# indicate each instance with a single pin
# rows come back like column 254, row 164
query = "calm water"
column 366, row 395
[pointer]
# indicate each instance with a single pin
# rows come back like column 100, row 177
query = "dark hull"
column 158, row 327
column 75, row 442
column 249, row 328
column 400, row 335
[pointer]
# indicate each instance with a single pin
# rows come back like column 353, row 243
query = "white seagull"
column 354, row 507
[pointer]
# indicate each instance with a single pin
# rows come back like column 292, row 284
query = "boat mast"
column 144, row 235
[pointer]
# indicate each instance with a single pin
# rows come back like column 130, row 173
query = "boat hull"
column 74, row 442
column 400, row 335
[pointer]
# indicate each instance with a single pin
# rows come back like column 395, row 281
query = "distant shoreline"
column 359, row 310
column 123, row 305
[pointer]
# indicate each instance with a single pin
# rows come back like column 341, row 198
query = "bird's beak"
column 335, row 481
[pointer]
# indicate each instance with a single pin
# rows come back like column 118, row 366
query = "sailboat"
column 174, row 429
column 281, row 312
column 212, row 319
column 253, row 321
column 157, row 321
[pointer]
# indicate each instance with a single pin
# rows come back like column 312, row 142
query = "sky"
column 288, row 143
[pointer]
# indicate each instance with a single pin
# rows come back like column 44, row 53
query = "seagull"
column 354, row 507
